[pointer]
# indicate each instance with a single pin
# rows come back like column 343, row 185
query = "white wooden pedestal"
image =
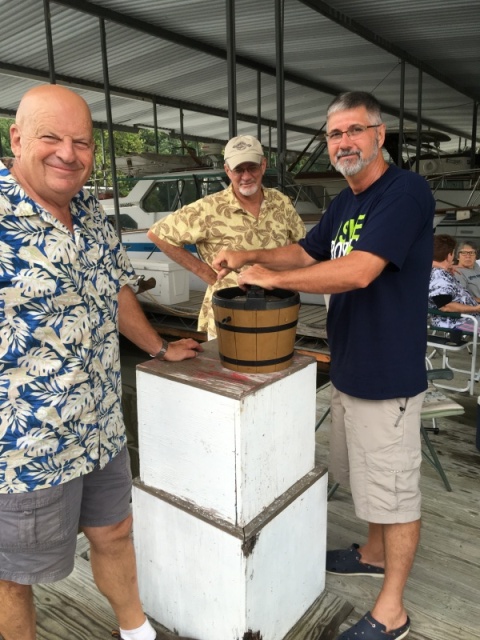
column 229, row 510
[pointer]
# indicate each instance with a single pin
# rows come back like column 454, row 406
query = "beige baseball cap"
column 243, row 149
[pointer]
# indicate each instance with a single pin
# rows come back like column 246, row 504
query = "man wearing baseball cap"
column 245, row 215
column 243, row 149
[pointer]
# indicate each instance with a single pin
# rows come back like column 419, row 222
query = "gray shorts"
column 375, row 447
column 38, row 530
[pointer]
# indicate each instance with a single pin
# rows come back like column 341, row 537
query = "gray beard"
column 352, row 167
column 248, row 191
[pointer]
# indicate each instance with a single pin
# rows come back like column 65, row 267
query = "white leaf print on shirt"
column 35, row 282
column 38, row 442
column 41, row 361
column 61, row 248
column 75, row 327
column 33, row 255
column 6, row 258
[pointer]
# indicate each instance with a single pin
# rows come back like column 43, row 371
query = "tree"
column 5, row 149
column 125, row 143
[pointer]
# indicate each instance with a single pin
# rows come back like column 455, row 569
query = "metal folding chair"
column 452, row 341
column 437, row 405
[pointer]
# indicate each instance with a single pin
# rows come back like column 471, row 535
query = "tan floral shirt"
column 218, row 222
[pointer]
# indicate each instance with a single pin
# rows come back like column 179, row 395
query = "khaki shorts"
column 38, row 530
column 375, row 447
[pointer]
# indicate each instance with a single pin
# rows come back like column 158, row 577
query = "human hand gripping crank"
column 227, row 261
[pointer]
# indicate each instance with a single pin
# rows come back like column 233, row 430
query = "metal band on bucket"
column 255, row 363
column 275, row 329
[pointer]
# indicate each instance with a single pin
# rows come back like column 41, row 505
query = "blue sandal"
column 370, row 629
column 347, row 562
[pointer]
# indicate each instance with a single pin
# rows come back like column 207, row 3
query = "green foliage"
column 5, row 149
column 125, row 143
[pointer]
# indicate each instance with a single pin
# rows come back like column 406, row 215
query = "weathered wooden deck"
column 442, row 595
column 443, row 592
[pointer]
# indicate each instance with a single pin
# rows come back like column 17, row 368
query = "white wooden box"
column 227, row 441
column 207, row 579
column 171, row 281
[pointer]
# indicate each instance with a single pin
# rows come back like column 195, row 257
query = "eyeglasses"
column 468, row 253
column 252, row 169
column 353, row 132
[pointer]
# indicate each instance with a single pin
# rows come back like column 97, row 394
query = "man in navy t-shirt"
column 372, row 250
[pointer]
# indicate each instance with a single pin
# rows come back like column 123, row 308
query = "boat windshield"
column 172, row 194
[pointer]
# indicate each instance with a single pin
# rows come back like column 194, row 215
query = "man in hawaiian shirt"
column 64, row 294
column 243, row 216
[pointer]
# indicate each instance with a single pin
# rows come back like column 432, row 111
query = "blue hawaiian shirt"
column 60, row 386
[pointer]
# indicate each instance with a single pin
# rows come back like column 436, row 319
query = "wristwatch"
column 161, row 354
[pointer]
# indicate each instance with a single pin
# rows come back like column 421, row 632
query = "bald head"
column 45, row 97
column 52, row 141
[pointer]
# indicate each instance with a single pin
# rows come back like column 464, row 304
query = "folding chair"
column 452, row 341
column 437, row 405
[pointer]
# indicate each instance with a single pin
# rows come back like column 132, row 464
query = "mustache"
column 60, row 164
column 346, row 152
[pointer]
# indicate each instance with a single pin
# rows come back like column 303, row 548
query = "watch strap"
column 160, row 355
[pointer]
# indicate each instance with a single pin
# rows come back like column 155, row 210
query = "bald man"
column 64, row 294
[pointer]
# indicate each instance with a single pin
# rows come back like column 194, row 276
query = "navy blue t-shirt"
column 377, row 335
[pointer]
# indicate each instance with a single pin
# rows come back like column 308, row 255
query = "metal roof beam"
column 43, row 76
column 355, row 27
column 317, row 5
column 36, row 74
column 172, row 36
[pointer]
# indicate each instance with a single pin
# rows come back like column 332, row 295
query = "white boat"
column 457, row 193
column 455, row 186
column 137, row 165
column 154, row 197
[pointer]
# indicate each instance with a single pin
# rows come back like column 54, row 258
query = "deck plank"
column 322, row 619
column 73, row 608
column 443, row 592
column 177, row 319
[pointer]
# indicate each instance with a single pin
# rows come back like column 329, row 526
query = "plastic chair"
column 437, row 405
column 452, row 341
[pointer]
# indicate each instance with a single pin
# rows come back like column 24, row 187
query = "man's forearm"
column 184, row 258
column 288, row 257
column 291, row 256
column 133, row 324
column 354, row 271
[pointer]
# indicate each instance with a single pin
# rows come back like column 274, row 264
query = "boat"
column 152, row 197
column 455, row 185
column 456, row 193
column 138, row 165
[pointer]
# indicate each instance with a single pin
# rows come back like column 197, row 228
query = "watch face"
column 160, row 355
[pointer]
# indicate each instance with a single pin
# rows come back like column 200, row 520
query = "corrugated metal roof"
column 322, row 57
